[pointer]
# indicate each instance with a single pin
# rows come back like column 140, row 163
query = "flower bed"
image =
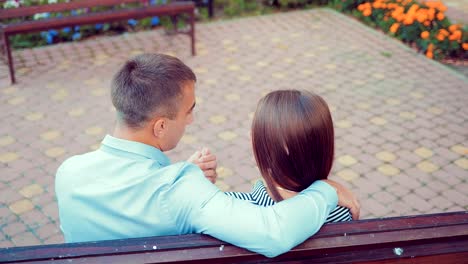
column 421, row 24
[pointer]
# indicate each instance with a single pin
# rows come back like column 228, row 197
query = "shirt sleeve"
column 269, row 231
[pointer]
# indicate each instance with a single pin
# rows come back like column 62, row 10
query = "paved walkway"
column 401, row 119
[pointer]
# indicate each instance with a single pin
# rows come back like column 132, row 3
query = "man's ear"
column 159, row 127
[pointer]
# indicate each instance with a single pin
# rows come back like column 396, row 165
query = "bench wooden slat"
column 58, row 7
column 437, row 236
column 94, row 18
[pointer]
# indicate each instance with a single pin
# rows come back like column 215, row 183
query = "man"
column 128, row 188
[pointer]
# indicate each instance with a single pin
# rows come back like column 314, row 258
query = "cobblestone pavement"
column 401, row 119
column 457, row 10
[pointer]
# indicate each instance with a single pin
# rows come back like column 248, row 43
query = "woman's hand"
column 346, row 198
column 207, row 163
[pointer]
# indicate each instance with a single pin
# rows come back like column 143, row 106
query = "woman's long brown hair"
column 293, row 140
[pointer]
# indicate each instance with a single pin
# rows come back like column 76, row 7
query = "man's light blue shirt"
column 129, row 189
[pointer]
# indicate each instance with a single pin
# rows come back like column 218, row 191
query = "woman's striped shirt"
column 260, row 196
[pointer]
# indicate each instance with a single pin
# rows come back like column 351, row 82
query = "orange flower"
column 408, row 20
column 444, row 32
column 440, row 37
column 465, row 46
column 421, row 16
column 367, row 12
column 440, row 16
column 394, row 27
column 453, row 27
column 430, row 47
column 431, row 13
column 424, row 34
column 429, row 54
column 427, row 23
column 456, row 35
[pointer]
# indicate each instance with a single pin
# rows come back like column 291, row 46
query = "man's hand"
column 346, row 198
column 207, row 163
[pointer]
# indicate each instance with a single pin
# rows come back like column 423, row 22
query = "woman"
column 293, row 144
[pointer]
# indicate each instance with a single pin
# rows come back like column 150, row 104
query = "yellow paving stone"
column 34, row 116
column 227, row 42
column 462, row 150
column 417, row 95
column 462, row 163
column 7, row 140
column 217, row 119
column 423, row 152
column 200, row 70
column 227, row 135
column 8, row 157
column 23, row 70
column 323, row 48
column 10, row 90
column 232, row 97
column 98, row 92
column 52, row 85
column 76, row 112
column 59, row 95
column 17, row 100
column 169, row 53
column 378, row 76
column 232, row 49
column 100, row 62
column 330, row 66
column 199, row 100
column 363, row 105
column 95, row 146
column 51, row 135
column 246, row 37
column 278, row 75
column 347, row 160
column 210, row 81
column 223, row 172
column 92, row 81
column 261, row 63
column 347, row 174
column 427, row 166
column 202, row 52
column 94, row 130
column 388, row 170
column 289, row 60
column 222, row 186
column 332, row 108
column 245, row 78
column 392, row 101
column 275, row 40
column 435, row 110
column 31, row 190
column 21, row 206
column 309, row 54
column 359, row 82
column 233, row 67
column 408, row 115
column 307, row 72
column 254, row 44
column 137, row 52
column 378, row 121
column 295, row 34
column 385, row 156
column 251, row 115
column 189, row 139
column 55, row 152
column 343, row 123
column 282, row 46
column 331, row 86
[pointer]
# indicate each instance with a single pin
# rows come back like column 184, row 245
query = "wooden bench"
column 122, row 13
column 435, row 238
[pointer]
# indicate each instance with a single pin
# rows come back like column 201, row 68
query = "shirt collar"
column 136, row 148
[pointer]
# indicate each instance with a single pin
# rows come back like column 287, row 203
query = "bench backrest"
column 60, row 7
column 411, row 239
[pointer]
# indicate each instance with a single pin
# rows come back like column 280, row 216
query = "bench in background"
column 434, row 238
column 7, row 30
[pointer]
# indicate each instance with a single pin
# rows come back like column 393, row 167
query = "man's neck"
column 138, row 135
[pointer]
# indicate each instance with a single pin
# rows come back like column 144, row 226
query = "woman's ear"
column 159, row 127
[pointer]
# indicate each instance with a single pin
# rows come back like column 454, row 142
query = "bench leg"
column 192, row 32
column 210, row 8
column 6, row 43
